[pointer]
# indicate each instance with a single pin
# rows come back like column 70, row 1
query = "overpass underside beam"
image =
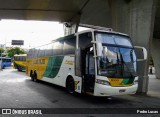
column 136, row 18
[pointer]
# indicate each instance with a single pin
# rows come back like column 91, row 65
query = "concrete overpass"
column 138, row 18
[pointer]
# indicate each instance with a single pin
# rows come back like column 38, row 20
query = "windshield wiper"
column 126, row 66
column 119, row 64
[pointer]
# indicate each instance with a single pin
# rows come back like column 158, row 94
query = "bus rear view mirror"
column 99, row 49
column 141, row 53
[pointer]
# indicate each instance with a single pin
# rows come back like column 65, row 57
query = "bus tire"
column 19, row 69
column 3, row 67
column 70, row 85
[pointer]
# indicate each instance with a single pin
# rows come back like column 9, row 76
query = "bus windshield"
column 116, row 56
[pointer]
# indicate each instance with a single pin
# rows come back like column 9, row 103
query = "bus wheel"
column 70, row 85
column 19, row 70
column 3, row 67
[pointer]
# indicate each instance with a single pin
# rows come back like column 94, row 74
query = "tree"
column 1, row 51
column 11, row 52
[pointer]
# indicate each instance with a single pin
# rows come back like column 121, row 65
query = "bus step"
column 89, row 93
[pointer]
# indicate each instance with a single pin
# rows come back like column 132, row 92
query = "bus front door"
column 89, row 76
column 85, row 68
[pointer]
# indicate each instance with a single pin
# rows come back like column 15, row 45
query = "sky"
column 34, row 33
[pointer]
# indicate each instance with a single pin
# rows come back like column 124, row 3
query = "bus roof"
column 20, row 55
column 98, row 30
column 81, row 32
column 87, row 31
column 5, row 58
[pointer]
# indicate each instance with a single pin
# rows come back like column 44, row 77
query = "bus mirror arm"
column 94, row 42
column 144, row 52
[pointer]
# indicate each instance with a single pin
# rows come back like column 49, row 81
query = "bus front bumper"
column 106, row 90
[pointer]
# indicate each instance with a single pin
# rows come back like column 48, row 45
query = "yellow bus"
column 19, row 62
column 95, row 62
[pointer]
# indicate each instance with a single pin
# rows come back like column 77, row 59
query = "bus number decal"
column 39, row 61
column 69, row 62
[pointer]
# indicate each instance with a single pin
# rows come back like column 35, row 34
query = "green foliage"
column 14, row 51
column 1, row 51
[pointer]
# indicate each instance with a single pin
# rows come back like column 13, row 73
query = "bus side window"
column 41, row 52
column 24, row 58
column 58, row 48
column 4, row 60
column 29, row 55
column 20, row 58
column 69, row 46
column 36, row 53
column 84, row 40
column 91, row 63
column 32, row 53
column 48, row 50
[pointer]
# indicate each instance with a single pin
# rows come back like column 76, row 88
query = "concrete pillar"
column 156, row 56
column 136, row 18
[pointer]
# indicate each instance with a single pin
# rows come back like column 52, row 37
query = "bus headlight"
column 103, row 82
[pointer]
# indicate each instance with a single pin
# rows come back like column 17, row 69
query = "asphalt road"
column 18, row 91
